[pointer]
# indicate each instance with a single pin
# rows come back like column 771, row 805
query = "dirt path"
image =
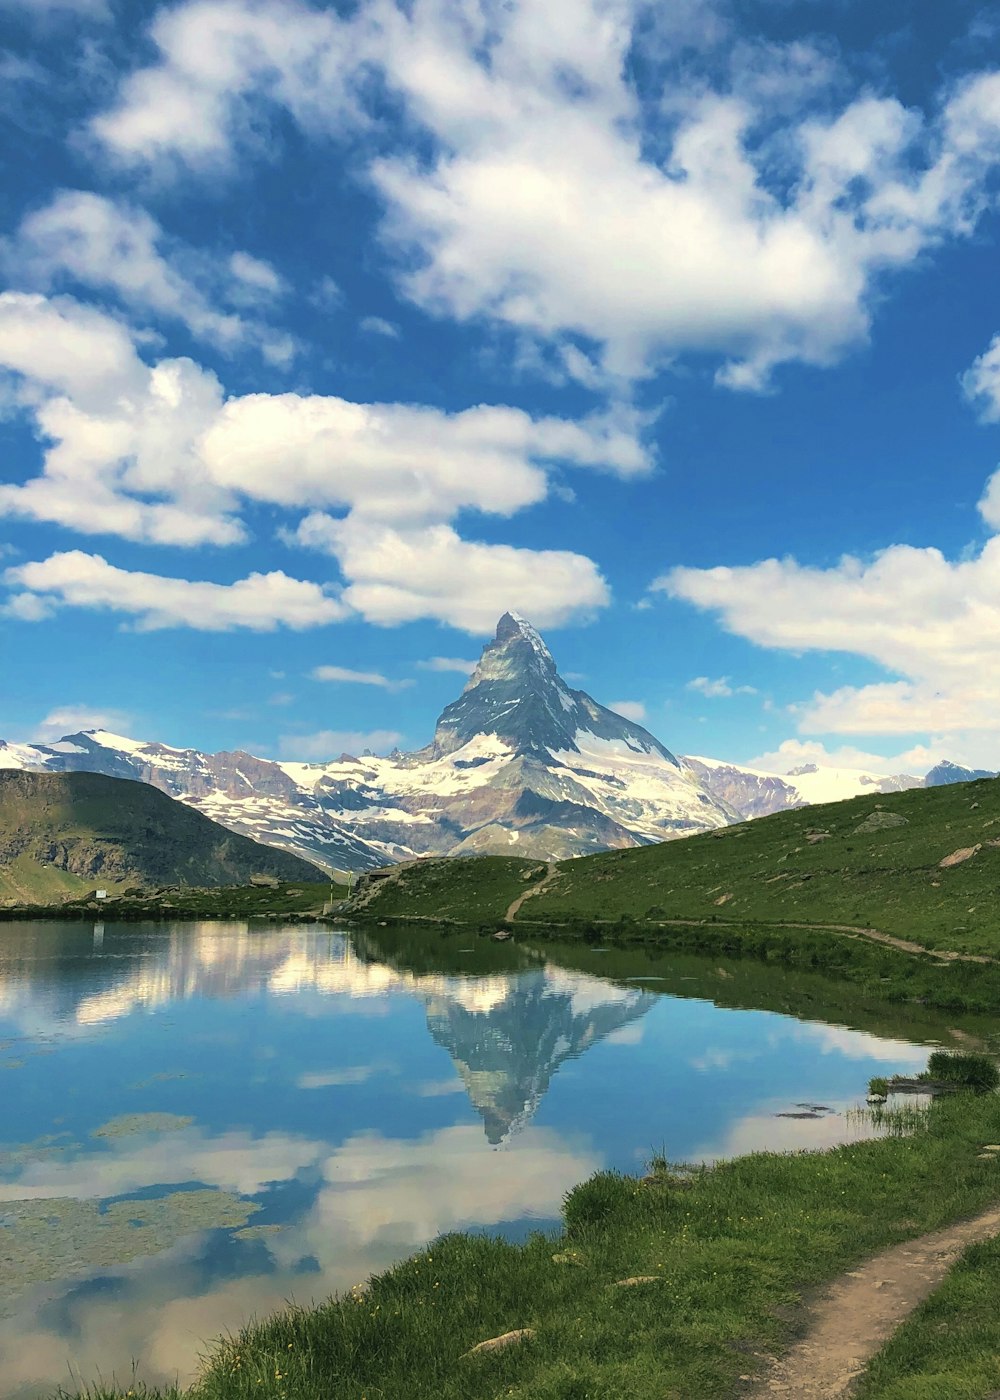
column 550, row 874
column 859, row 1312
column 873, row 935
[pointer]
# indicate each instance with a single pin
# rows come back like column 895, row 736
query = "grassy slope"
column 888, row 879
column 770, row 871
column 734, row 1250
column 480, row 887
column 63, row 833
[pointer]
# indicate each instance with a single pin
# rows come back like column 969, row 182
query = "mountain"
column 519, row 762
column 254, row 797
column 947, row 772
column 62, row 833
column 757, row 793
column 920, row 865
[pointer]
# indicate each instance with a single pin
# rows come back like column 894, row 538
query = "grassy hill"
column 872, row 862
column 62, row 834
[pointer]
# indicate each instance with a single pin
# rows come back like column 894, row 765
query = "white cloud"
column 557, row 202
column 629, row 709
column 401, row 575
column 71, row 719
column 116, row 247
column 158, row 454
column 330, row 743
column 260, row 602
column 378, row 325
column 448, row 663
column 219, row 59
column 982, row 385
column 795, row 753
column 932, row 621
column 258, row 276
column 718, row 689
column 346, row 675
column 326, row 294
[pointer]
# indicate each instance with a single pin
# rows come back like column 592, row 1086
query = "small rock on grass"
column 506, row 1339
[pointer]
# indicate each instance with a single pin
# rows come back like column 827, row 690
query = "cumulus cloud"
column 630, row 709
column 718, row 689
column 330, row 743
column 218, row 61
column 981, row 383
column 931, row 621
column 71, row 719
column 344, row 674
column 116, row 247
column 159, row 454
column 555, row 198
column 448, row 663
column 378, row 325
column 796, row 753
column 259, row 602
column 401, row 575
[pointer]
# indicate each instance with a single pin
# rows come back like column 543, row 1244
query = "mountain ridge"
column 519, row 763
column 63, row 832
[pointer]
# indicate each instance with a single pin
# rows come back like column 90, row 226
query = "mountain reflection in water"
column 331, row 1090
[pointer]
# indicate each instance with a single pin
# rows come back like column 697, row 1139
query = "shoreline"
column 689, row 1282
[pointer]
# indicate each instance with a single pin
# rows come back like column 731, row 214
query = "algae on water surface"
column 45, row 1240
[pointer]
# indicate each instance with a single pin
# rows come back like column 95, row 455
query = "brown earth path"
column 873, row 935
column 551, row 870
column 858, row 1313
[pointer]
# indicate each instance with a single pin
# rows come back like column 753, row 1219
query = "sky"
column 330, row 333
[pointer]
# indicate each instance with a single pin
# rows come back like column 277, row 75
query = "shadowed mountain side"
column 62, row 833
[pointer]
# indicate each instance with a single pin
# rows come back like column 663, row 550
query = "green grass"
column 770, row 871
column 451, row 889
column 735, row 1251
column 763, row 872
column 949, row 1349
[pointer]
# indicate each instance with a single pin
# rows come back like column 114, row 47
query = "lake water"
column 201, row 1121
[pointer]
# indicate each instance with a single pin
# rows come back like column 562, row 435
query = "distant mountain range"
column 519, row 763
column 62, row 833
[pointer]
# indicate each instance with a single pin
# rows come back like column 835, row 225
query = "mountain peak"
column 513, row 629
column 517, row 694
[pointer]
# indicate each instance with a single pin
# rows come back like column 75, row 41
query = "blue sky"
column 328, row 334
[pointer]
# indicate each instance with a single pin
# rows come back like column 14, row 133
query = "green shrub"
column 878, row 1085
column 978, row 1072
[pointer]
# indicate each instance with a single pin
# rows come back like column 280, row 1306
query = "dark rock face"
column 516, row 693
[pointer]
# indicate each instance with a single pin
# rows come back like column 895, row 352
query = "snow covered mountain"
column 756, row 793
column 519, row 762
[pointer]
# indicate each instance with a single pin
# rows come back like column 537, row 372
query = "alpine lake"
column 204, row 1121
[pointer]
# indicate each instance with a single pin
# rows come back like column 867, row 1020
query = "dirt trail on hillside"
column 858, row 1313
column 873, row 935
column 550, row 874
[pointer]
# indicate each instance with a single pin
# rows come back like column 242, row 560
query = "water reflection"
column 337, row 1101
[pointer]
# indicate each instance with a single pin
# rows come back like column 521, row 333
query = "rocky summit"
column 520, row 763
